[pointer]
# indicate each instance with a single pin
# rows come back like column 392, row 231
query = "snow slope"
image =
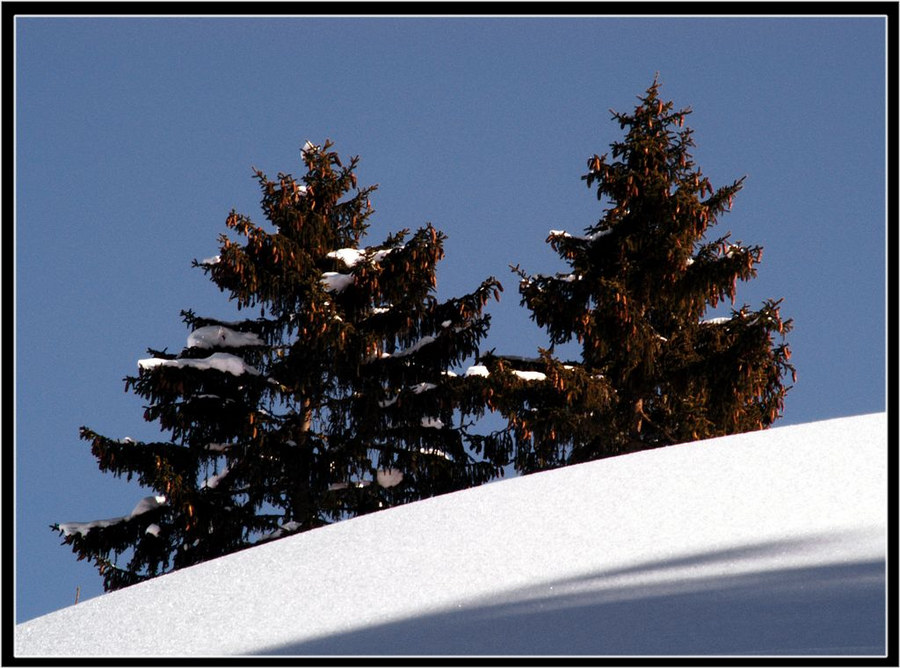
column 764, row 543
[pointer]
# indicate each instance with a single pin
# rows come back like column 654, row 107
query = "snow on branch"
column 224, row 362
column 424, row 341
column 586, row 237
column 568, row 278
column 146, row 504
column 282, row 530
column 217, row 336
column 436, row 452
column 212, row 481
column 432, row 423
column 333, row 281
column 418, row 345
column 389, row 477
column 353, row 256
column 481, row 370
column 530, row 375
column 415, row 389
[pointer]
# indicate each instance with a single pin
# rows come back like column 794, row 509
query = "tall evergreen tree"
column 653, row 372
column 337, row 400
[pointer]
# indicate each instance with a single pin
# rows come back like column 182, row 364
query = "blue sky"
column 136, row 137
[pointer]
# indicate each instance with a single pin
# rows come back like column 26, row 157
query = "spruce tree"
column 336, row 400
column 653, row 371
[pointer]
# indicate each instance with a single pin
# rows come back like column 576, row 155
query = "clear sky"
column 136, row 137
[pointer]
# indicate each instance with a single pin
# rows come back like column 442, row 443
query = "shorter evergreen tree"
column 653, row 371
column 337, row 400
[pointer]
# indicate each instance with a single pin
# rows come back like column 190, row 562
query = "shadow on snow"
column 832, row 609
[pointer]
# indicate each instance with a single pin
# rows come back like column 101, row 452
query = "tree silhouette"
column 653, row 372
column 337, row 400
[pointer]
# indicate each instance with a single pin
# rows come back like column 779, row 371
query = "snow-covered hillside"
column 764, row 543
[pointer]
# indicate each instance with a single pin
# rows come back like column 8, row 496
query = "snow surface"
column 771, row 542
